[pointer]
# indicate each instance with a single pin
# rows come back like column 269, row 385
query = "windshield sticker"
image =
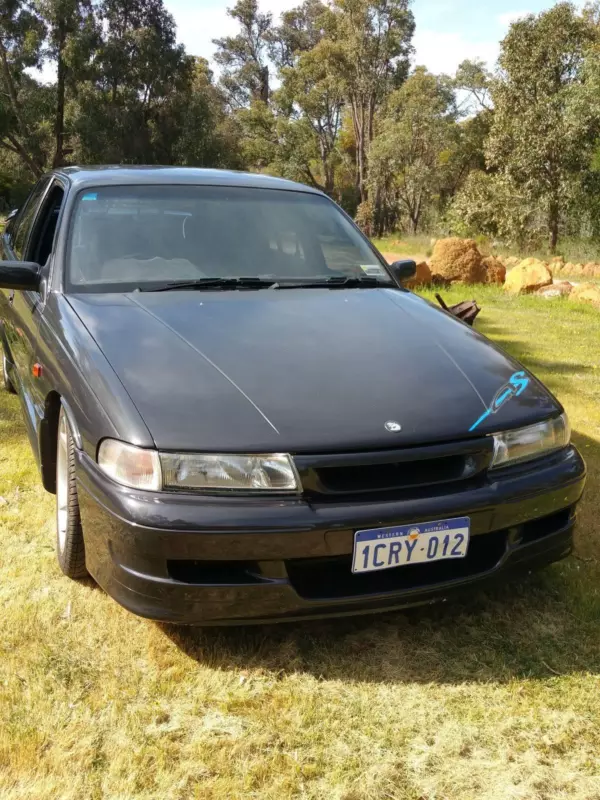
column 373, row 270
column 90, row 196
column 516, row 385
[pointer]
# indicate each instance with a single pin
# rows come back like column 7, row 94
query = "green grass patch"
column 493, row 697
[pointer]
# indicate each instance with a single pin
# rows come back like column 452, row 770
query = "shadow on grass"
column 539, row 627
column 555, row 374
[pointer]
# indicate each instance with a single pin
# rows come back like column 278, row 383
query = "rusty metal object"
column 467, row 311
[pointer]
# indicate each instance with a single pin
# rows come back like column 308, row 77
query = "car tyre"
column 70, row 549
column 6, row 381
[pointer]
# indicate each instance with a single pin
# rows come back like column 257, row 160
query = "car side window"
column 41, row 241
column 25, row 219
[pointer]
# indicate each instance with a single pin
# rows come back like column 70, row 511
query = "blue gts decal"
column 90, row 196
column 515, row 386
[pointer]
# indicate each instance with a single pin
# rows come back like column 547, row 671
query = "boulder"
column 590, row 270
column 559, row 289
column 495, row 271
column 586, row 293
column 568, row 269
column 422, row 276
column 458, row 260
column 510, row 262
column 529, row 276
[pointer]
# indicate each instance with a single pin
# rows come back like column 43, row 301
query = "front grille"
column 376, row 477
column 393, row 470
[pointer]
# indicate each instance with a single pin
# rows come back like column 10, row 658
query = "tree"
column 244, row 58
column 310, row 98
column 409, row 154
column 132, row 107
column 474, row 80
column 71, row 31
column 541, row 137
column 23, row 101
column 367, row 51
column 301, row 29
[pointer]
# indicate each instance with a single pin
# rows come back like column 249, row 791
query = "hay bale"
column 458, row 260
column 495, row 271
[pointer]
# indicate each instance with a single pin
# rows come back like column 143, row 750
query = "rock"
column 586, row 293
column 422, row 276
column 529, row 276
column 568, row 268
column 458, row 260
column 590, row 270
column 559, row 289
column 495, row 271
column 510, row 262
column 577, row 269
column 557, row 260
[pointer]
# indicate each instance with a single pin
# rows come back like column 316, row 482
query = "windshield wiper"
column 214, row 283
column 335, row 282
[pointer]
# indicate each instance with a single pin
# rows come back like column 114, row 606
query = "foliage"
column 244, row 57
column 324, row 95
column 367, row 50
column 409, row 154
column 542, row 134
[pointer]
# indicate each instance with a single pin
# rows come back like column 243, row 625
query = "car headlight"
column 234, row 472
column 524, row 444
column 148, row 469
column 130, row 465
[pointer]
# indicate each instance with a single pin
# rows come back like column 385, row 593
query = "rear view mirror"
column 19, row 275
column 404, row 270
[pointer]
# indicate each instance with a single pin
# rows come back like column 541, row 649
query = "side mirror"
column 12, row 214
column 404, row 270
column 20, row 275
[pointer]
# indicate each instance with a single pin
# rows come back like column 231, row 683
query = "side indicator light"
column 37, row 370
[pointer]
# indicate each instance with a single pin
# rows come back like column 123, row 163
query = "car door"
column 33, row 241
column 14, row 241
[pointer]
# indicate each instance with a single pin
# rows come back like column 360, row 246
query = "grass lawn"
column 495, row 697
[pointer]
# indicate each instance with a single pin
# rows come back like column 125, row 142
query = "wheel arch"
column 48, row 432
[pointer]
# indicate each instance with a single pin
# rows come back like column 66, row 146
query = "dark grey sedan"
column 245, row 416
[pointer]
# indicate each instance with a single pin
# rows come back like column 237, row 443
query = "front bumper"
column 217, row 560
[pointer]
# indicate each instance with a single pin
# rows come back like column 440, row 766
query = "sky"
column 447, row 31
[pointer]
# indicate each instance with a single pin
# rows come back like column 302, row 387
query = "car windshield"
column 138, row 237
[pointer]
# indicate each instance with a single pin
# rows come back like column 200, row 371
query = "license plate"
column 384, row 548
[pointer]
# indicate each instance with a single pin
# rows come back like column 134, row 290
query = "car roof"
column 127, row 175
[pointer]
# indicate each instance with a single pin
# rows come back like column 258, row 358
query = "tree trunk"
column 553, row 221
column 59, row 122
column 360, row 134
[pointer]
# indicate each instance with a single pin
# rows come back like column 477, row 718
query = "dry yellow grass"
column 495, row 697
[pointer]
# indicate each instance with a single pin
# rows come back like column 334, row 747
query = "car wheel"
column 6, row 381
column 70, row 550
